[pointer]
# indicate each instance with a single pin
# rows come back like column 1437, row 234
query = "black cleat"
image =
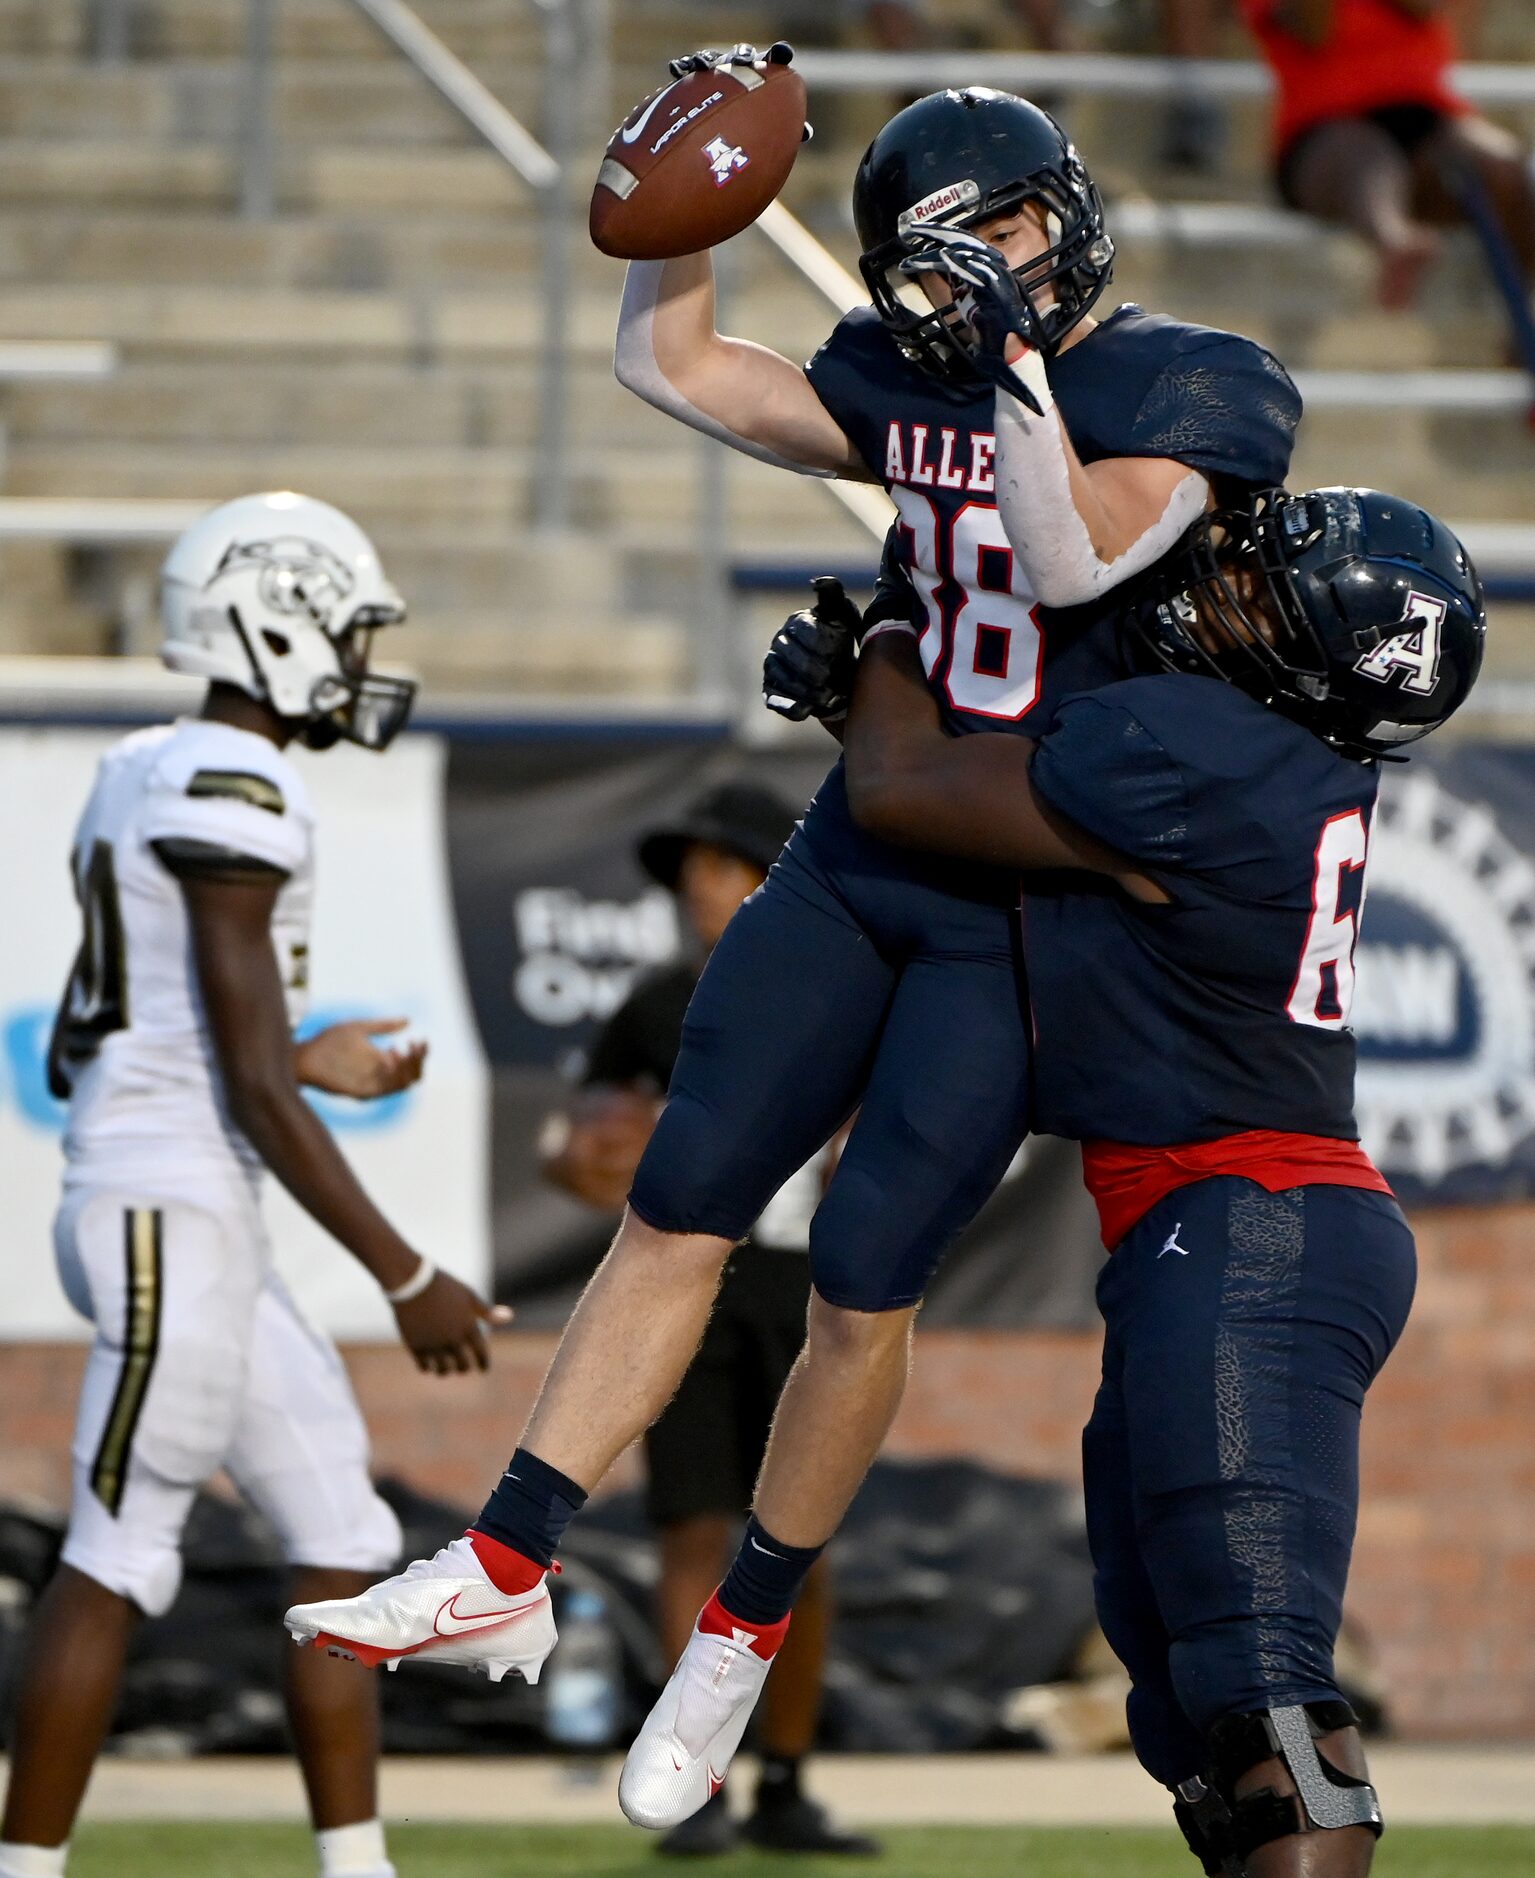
column 705, row 1834
column 793, row 1822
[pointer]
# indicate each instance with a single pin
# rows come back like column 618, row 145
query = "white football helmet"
column 280, row 595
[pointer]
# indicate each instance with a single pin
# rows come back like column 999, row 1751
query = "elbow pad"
column 1041, row 520
column 636, row 367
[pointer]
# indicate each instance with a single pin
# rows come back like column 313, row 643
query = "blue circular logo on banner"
column 1445, row 1001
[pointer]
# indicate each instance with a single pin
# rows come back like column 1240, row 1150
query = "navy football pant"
column 1222, row 1457
column 857, row 977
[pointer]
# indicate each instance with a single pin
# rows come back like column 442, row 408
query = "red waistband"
column 1126, row 1181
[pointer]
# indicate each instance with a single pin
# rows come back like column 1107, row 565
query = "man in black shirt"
column 704, row 1452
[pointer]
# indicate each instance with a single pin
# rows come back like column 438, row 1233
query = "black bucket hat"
column 741, row 817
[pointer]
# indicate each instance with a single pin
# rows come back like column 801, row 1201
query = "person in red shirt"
column 1370, row 132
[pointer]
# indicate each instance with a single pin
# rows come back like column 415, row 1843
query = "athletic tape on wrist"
column 1043, row 525
column 1031, row 374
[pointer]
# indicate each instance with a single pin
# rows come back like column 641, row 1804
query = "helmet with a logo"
column 1355, row 612
column 280, row 595
column 957, row 159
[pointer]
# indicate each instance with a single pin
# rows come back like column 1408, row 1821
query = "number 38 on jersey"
column 982, row 642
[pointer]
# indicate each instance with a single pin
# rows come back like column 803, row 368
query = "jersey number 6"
column 991, row 634
column 1323, row 992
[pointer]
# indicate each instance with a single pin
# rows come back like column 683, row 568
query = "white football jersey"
column 131, row 1047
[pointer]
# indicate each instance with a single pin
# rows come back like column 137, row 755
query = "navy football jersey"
column 1227, row 1009
column 1140, row 384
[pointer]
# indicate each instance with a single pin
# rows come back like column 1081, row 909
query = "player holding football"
column 844, row 981
column 194, row 868
column 1190, row 1008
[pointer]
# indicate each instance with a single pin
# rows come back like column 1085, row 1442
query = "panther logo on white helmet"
column 276, row 594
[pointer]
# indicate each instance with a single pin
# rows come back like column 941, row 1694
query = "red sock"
column 715, row 1621
column 507, row 1570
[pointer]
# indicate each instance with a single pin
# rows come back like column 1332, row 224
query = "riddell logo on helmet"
column 942, row 202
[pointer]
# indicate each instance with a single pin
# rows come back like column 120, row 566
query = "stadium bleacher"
column 379, row 338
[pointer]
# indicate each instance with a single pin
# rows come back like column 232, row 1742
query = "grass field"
column 143, row 1850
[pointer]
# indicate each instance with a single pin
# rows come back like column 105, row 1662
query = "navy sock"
column 764, row 1581
column 778, row 1778
column 532, row 1505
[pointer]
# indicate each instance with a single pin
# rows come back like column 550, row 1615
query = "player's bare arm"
column 669, row 353
column 659, row 194
column 911, row 783
column 247, row 1017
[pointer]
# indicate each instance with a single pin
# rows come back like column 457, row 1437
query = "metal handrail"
column 453, row 80
column 543, row 171
column 868, row 504
column 508, row 138
column 27, row 360
column 1104, row 75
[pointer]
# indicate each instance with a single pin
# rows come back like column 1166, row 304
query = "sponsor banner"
column 557, row 920
column 383, row 945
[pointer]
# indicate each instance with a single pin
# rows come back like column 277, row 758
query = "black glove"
column 711, row 58
column 808, row 671
column 989, row 300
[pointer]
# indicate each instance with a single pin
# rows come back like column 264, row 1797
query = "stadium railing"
column 1104, row 75
column 25, row 361
column 1504, row 553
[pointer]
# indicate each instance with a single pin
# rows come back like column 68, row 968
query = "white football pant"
column 202, row 1361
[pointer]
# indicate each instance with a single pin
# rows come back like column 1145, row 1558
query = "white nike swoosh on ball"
column 631, row 132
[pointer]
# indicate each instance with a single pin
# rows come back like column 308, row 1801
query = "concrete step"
column 68, row 245
column 109, row 173
column 312, row 101
column 305, row 28
column 441, row 494
column 396, row 406
column 216, row 321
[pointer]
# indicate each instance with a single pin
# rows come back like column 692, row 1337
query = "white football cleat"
column 444, row 1608
column 681, row 1755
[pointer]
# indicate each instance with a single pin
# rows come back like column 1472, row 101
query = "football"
column 699, row 160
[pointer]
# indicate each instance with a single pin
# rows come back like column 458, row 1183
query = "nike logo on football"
column 1172, row 1244
column 631, row 133
column 716, row 1781
column 451, row 1622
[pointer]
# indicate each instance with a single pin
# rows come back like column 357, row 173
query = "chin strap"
column 637, row 369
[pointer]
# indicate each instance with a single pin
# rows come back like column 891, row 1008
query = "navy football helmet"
column 1356, row 613
column 956, row 159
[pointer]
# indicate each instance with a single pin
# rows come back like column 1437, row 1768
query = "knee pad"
column 863, row 1255
column 1223, row 1831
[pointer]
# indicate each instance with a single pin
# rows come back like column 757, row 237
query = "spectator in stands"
column 1193, row 126
column 1371, row 133
column 704, row 1452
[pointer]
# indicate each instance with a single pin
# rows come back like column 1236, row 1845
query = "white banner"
column 383, row 945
